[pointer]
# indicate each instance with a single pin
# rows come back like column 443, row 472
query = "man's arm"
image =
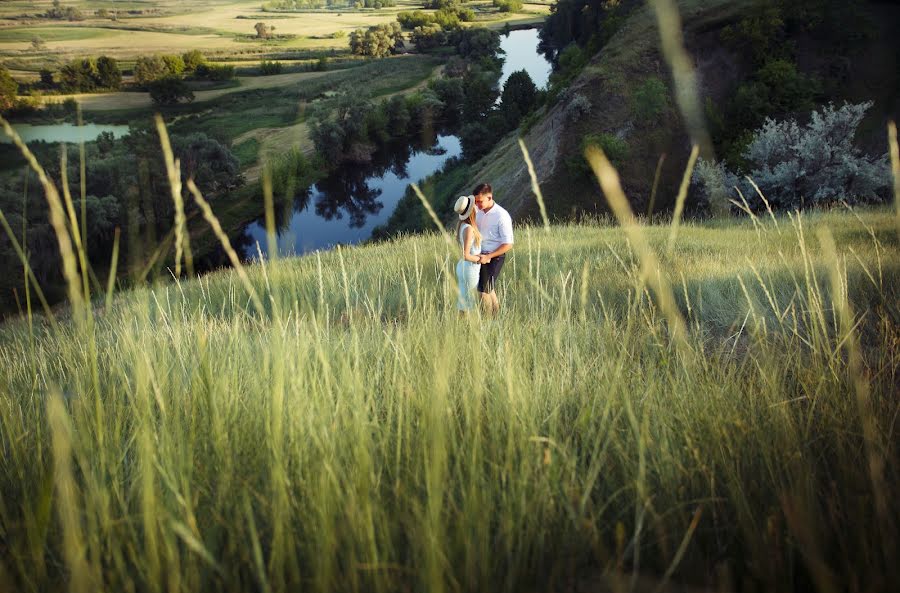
column 486, row 257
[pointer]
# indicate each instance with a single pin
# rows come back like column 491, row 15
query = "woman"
column 468, row 268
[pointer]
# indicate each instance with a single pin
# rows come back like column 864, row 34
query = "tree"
column 215, row 72
column 37, row 43
column 208, row 162
column 377, row 42
column 518, row 98
column 170, row 90
column 193, row 59
column 108, row 74
column 428, row 37
column 79, row 76
column 9, row 90
column 148, row 69
column 174, row 64
column 47, row 78
column 480, row 94
column 508, row 5
column 263, row 31
column 478, row 42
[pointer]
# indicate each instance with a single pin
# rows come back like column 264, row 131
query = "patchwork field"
column 218, row 28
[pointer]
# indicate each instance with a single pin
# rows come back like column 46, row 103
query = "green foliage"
column 518, row 98
column 588, row 24
column 508, row 5
column 377, row 42
column 108, row 74
column 47, row 78
column 615, row 149
column 321, row 64
column 410, row 19
column 9, row 90
column 174, row 64
column 148, row 69
column 478, row 42
column 169, row 90
column 452, row 93
column 569, row 62
column 215, row 72
column 650, row 101
column 67, row 13
column 193, row 59
column 428, row 37
column 88, row 74
column 268, row 67
column 290, row 172
column 777, row 88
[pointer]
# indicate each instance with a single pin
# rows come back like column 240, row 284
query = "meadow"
column 222, row 29
column 330, row 423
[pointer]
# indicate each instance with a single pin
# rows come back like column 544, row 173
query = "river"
column 346, row 206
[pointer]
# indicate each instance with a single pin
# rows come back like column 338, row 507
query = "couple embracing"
column 485, row 235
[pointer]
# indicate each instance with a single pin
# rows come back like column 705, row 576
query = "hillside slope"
column 632, row 57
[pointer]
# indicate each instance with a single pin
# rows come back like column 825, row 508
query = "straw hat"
column 464, row 206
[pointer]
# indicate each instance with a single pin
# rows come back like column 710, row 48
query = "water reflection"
column 348, row 204
column 521, row 54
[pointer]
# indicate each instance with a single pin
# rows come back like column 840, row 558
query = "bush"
column 377, row 42
column 170, row 90
column 428, row 37
column 9, row 90
column 518, row 98
column 193, row 59
column 148, row 69
column 798, row 166
column 409, row 20
column 508, row 5
column 615, row 149
column 650, row 100
column 109, row 75
column 267, row 67
column 215, row 72
column 174, row 64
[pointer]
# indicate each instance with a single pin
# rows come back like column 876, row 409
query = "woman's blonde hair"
column 471, row 222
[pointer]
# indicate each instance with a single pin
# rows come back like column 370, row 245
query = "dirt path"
column 113, row 101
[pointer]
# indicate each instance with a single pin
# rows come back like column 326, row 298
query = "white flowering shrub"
column 797, row 166
column 578, row 107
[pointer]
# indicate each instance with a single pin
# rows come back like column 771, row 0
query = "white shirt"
column 495, row 227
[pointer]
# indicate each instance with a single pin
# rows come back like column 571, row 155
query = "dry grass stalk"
column 895, row 167
column 226, row 244
column 173, row 169
column 618, row 203
column 682, row 197
column 534, row 185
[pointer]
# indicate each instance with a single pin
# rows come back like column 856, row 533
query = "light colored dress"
column 467, row 274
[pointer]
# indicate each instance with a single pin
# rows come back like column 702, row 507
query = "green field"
column 340, row 428
column 19, row 34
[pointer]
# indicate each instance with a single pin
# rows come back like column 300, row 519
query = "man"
column 495, row 225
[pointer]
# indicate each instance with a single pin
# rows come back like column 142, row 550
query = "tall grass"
column 345, row 430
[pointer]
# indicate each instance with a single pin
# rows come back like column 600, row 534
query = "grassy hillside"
column 601, row 101
column 351, row 433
